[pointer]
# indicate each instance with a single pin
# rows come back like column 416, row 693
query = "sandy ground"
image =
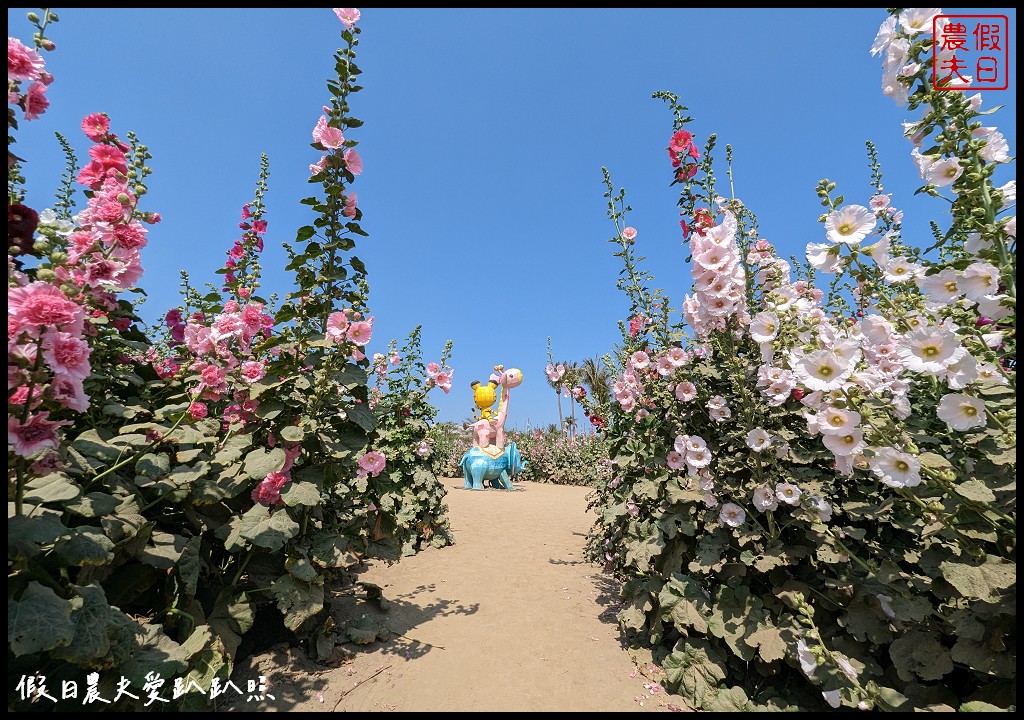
column 510, row 618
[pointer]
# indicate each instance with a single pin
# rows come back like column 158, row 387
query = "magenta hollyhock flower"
column 24, row 63
column 198, row 410
column 373, row 462
column 348, row 16
column 31, row 437
column 96, row 126
column 329, row 137
column 353, row 162
column 359, row 332
column 35, row 101
column 66, row 354
column 69, row 392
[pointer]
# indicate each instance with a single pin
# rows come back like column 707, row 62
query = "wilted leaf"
column 365, row 629
column 39, row 620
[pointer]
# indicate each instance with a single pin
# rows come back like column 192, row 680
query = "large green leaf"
column 164, row 550
column 298, row 601
column 91, row 615
column 984, row 581
column 301, row 493
column 695, row 670
column 684, row 602
column 38, row 620
column 56, row 487
column 263, row 528
column 261, row 462
column 87, row 545
column 920, row 654
column 27, row 535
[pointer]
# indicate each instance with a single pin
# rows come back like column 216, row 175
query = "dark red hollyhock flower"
column 22, row 222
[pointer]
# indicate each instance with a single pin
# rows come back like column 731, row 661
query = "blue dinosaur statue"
column 480, row 467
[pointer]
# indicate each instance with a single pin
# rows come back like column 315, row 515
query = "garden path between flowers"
column 509, row 618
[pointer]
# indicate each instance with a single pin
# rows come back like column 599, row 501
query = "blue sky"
column 485, row 133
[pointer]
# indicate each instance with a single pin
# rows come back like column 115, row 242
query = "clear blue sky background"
column 485, row 134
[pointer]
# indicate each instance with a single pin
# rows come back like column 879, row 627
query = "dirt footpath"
column 511, row 618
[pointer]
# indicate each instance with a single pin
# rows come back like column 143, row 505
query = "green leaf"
column 93, row 504
column 980, row 706
column 362, row 416
column 301, row 493
column 330, row 550
column 305, row 232
column 165, row 550
column 189, row 564
column 153, row 465
column 55, row 487
column 145, row 648
column 38, row 621
column 261, row 462
column 684, row 602
column 694, row 670
column 233, row 449
column 301, row 569
column 90, row 616
column 26, row 535
column 292, row 433
column 298, row 601
column 92, row 444
column 920, row 654
column 983, row 582
column 208, row 659
column 87, row 546
column 270, row 409
column 981, row 658
column 975, row 490
column 267, row 530
column 769, row 643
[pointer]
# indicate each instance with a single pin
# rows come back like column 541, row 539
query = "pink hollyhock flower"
column 359, row 332
column 329, row 137
column 68, row 391
column 372, row 462
column 198, row 410
column 337, row 326
column 31, row 437
column 109, row 157
column 41, row 304
column 35, row 101
column 319, row 166
column 394, row 358
column 433, row 369
column 350, row 205
column 353, row 162
column 629, row 235
column 253, row 371
column 444, row 381
column 23, row 63
column 422, row 449
column 348, row 16
column 66, row 354
column 20, row 396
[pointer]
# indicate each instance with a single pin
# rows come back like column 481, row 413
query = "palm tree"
column 570, row 380
column 598, row 379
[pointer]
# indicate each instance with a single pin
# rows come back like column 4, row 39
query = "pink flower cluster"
column 642, row 369
column 719, row 280
column 242, row 254
column 25, row 65
column 440, row 378
column 350, row 325
column 268, row 491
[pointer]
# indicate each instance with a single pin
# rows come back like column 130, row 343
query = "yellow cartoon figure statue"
column 484, row 397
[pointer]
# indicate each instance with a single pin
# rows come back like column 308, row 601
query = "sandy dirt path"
column 510, row 618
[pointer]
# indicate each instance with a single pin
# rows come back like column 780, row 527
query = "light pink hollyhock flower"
column 765, row 499
column 665, row 366
column 359, row 332
column 68, row 391
column 732, row 515
column 353, row 163
column 319, row 166
column 686, row 391
column 900, row 269
column 758, row 440
column 66, row 354
column 38, row 433
column 351, row 201
column 23, row 63
column 253, row 371
column 678, row 356
column 639, row 360
column 846, row 445
column 944, row 172
column 433, row 369
column 95, row 126
column 373, row 462
column 198, row 410
column 329, row 137
column 444, row 381
column 980, row 280
column 895, row 468
column 788, row 493
column 629, row 235
column 348, row 16
column 422, row 449
column 930, row 349
column 41, row 304
column 35, row 101
column 675, row 460
column 632, row 508
column 961, row 412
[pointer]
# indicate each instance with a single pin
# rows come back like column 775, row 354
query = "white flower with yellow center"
column 942, row 287
column 962, row 373
column 988, row 372
column 914, row 21
column 895, row 468
column 944, row 172
column 900, row 270
column 981, row 280
column 758, row 440
column 764, row 327
column 961, row 412
column 930, row 349
column 788, row 493
column 732, row 515
column 765, row 500
column 846, row 445
column 821, row 369
column 835, row 421
column 849, row 224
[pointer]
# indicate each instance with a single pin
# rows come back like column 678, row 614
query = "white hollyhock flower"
column 758, row 440
column 941, row 287
column 988, row 372
column 832, row 697
column 820, row 369
column 807, row 660
column 686, row 391
column 996, row 149
column 765, row 500
column 930, row 349
column 895, row 468
column 732, row 515
column 764, row 327
column 886, row 33
column 835, row 421
column 695, row 443
column 879, row 251
column 944, row 172
column 849, row 224
column 885, row 602
column 980, row 279
column 899, row 269
column 846, row 445
column 697, row 459
column 1009, row 193
column 788, row 493
column 961, row 412
column 914, row 21
column 992, row 307
column 821, row 507
column 962, row 373
column 824, row 257
column 720, row 414
column 974, row 243
column 675, row 460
